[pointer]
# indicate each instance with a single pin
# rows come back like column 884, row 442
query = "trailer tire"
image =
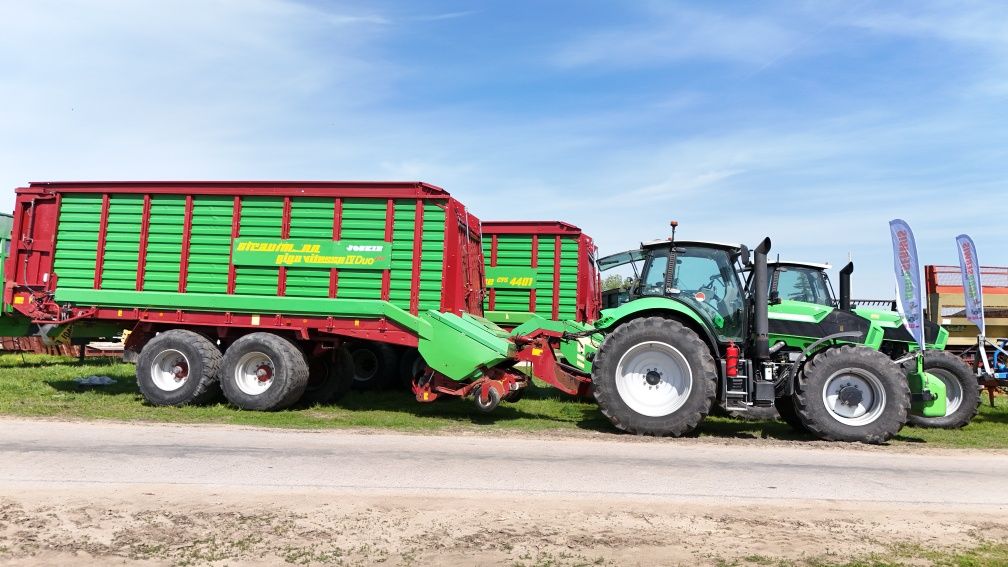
column 375, row 365
column 854, row 394
column 667, row 385
column 178, row 367
column 786, row 410
column 411, row 365
column 264, row 372
column 962, row 390
column 329, row 377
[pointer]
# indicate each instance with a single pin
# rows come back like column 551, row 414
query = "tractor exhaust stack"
column 761, row 301
column 845, row 273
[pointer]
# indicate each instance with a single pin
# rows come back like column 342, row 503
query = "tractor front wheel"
column 654, row 376
column 962, row 390
column 852, row 393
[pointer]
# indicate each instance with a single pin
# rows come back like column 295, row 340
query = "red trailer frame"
column 31, row 282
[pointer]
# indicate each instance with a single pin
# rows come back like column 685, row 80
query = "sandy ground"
column 114, row 494
column 173, row 527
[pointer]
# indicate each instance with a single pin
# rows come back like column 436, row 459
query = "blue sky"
column 812, row 122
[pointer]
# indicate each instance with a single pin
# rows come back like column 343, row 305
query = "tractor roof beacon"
column 692, row 333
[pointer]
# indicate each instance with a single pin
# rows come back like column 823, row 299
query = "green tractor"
column 692, row 333
column 808, row 283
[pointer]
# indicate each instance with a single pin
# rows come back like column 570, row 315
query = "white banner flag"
column 908, row 287
column 972, row 286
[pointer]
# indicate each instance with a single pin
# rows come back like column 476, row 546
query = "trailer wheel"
column 411, row 365
column 852, row 393
column 262, row 371
column 489, row 404
column 654, row 376
column 178, row 367
column 962, row 390
column 329, row 377
column 375, row 365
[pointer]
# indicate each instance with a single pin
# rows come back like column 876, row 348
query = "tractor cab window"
column 808, row 285
column 706, row 280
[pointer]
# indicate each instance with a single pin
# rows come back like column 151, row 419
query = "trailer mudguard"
column 462, row 347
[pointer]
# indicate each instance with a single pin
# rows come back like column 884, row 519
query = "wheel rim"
column 654, row 379
column 365, row 365
column 953, row 390
column 170, row 370
column 254, row 373
column 854, row 396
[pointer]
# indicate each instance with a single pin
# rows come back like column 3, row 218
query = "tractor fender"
column 658, row 307
column 785, row 387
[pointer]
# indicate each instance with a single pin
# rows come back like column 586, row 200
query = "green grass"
column 44, row 386
column 900, row 555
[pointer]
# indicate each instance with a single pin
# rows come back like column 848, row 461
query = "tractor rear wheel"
column 654, row 376
column 852, row 393
column 962, row 390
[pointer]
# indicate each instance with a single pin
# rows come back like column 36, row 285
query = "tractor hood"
column 935, row 336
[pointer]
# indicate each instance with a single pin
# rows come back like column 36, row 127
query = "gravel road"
column 172, row 494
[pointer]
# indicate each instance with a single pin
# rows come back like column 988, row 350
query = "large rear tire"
column 178, row 367
column 962, row 390
column 375, row 365
column 264, row 372
column 852, row 393
column 654, row 376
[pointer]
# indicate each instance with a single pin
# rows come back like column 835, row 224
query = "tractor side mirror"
column 775, row 297
column 745, row 256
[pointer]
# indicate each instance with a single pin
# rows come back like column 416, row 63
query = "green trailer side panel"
column 432, row 256
column 568, row 279
column 512, row 306
column 209, row 249
column 240, row 304
column 122, row 241
column 77, row 239
column 260, row 217
column 363, row 219
column 311, row 218
column 401, row 274
column 164, row 243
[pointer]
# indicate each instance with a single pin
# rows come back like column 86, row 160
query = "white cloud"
column 677, row 33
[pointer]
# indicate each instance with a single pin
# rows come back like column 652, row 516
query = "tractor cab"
column 702, row 275
column 806, row 282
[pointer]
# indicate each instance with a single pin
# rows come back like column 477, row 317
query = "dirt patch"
column 182, row 527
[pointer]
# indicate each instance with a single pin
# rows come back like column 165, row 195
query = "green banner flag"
column 307, row 253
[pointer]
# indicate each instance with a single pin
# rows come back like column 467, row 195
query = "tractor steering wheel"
column 709, row 288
